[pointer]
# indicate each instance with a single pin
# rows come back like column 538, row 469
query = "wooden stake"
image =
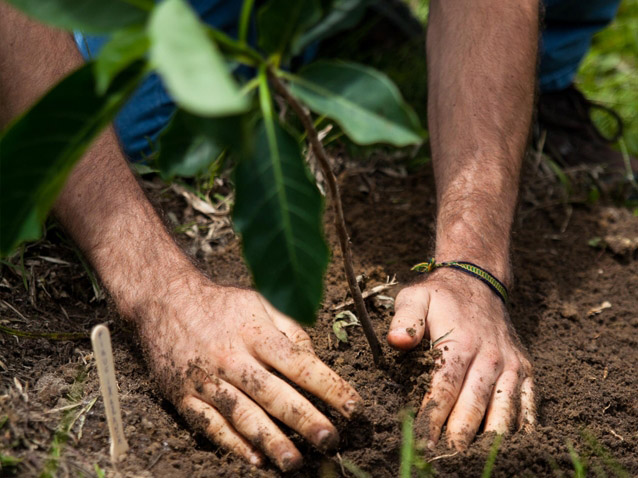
column 103, row 353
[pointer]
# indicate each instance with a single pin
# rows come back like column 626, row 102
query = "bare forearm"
column 481, row 67
column 102, row 206
column 107, row 214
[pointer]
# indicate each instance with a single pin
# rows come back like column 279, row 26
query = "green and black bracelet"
column 472, row 269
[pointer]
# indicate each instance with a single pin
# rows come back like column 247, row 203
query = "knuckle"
column 305, row 365
column 215, row 429
column 475, row 410
column 494, row 360
column 444, row 394
column 516, row 370
column 300, row 337
column 408, row 296
column 272, row 395
column 243, row 417
column 303, row 418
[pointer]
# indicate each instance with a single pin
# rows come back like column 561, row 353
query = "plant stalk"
column 340, row 222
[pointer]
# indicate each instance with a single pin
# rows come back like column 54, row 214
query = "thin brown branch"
column 340, row 222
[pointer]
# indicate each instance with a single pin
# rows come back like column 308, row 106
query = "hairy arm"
column 481, row 64
column 212, row 349
column 481, row 74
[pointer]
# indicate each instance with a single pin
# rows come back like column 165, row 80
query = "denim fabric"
column 570, row 25
column 149, row 110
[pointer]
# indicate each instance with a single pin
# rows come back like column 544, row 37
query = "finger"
column 306, row 370
column 527, row 414
column 205, row 419
column 408, row 325
column 469, row 409
column 286, row 404
column 444, row 390
column 289, row 327
column 502, row 408
column 251, row 422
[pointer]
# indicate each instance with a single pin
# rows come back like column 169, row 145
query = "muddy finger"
column 527, row 414
column 470, row 407
column 251, row 422
column 284, row 403
column 408, row 325
column 306, row 370
column 437, row 404
column 205, row 419
column 502, row 409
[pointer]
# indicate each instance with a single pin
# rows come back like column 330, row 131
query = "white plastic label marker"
column 103, row 353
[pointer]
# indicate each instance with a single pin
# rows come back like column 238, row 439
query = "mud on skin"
column 585, row 365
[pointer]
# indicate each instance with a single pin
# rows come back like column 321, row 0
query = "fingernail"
column 255, row 460
column 326, row 439
column 349, row 406
column 352, row 407
column 430, row 444
column 288, row 462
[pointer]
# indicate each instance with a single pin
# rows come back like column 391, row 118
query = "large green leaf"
column 123, row 48
column 190, row 64
column 38, row 150
column 280, row 22
column 93, row 16
column 278, row 211
column 365, row 103
column 191, row 143
column 339, row 15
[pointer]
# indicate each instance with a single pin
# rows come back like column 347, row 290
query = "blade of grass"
column 491, row 458
column 601, row 451
column 407, row 445
column 44, row 335
column 355, row 470
column 579, row 466
column 64, row 427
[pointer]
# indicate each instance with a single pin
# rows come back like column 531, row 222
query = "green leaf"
column 190, row 143
column 190, row 64
column 8, row 461
column 280, row 22
column 341, row 15
column 39, row 149
column 278, row 211
column 91, row 16
column 364, row 102
column 123, row 48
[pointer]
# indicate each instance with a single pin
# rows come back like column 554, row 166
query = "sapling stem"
column 340, row 222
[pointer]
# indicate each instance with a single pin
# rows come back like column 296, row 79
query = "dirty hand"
column 213, row 348
column 484, row 371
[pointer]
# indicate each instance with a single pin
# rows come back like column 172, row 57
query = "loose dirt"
column 585, row 359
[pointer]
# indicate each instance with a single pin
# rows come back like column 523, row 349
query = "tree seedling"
column 278, row 207
column 103, row 353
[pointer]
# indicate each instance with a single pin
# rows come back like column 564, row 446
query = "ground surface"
column 585, row 362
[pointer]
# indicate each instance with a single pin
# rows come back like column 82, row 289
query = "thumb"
column 408, row 325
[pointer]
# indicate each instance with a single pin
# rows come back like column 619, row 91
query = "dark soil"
column 586, row 363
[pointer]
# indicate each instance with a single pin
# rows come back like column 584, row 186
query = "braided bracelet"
column 472, row 269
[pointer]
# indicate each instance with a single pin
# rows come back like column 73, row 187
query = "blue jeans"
column 570, row 25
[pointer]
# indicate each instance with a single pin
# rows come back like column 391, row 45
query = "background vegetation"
column 609, row 73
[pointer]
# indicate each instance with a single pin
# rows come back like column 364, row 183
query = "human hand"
column 213, row 348
column 484, row 370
